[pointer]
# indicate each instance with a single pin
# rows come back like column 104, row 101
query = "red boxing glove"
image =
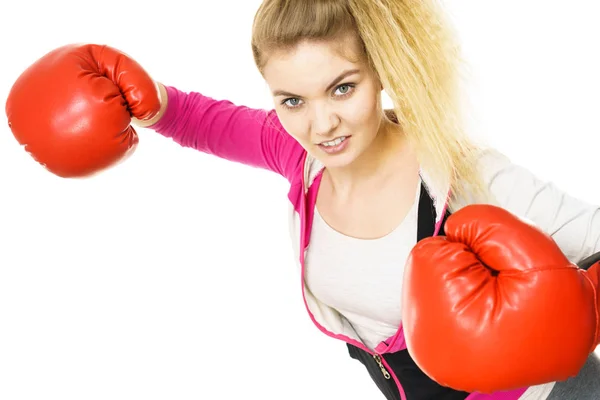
column 72, row 108
column 495, row 305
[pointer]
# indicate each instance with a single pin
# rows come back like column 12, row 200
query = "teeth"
column 334, row 142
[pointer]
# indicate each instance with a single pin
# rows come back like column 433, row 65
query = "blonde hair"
column 413, row 51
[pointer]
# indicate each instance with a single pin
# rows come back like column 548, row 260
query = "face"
column 329, row 103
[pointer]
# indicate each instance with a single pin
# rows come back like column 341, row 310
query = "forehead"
column 311, row 64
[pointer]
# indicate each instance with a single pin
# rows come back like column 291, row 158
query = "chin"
column 335, row 161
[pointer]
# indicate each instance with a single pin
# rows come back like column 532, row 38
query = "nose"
column 324, row 120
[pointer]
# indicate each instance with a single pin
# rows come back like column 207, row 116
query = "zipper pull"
column 377, row 358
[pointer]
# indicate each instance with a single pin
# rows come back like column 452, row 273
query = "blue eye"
column 291, row 103
column 347, row 87
column 344, row 90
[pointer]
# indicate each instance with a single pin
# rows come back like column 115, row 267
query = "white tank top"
column 362, row 279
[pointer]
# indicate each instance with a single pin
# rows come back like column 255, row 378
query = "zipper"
column 384, row 371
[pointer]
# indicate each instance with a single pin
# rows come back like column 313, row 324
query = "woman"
column 367, row 169
column 363, row 180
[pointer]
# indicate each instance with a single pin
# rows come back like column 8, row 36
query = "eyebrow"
column 337, row 80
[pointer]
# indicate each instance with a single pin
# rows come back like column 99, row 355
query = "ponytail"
column 413, row 50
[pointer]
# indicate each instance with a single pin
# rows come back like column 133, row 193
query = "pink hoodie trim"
column 306, row 216
column 391, row 372
column 438, row 224
column 398, row 342
column 508, row 395
column 394, row 343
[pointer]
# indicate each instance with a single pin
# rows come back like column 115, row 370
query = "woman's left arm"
column 573, row 223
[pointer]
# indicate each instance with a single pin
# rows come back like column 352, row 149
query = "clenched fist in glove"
column 72, row 108
column 495, row 305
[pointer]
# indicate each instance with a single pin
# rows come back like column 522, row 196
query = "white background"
column 171, row 276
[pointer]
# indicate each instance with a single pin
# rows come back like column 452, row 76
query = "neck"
column 384, row 157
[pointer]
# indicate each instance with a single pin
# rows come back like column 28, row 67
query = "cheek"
column 295, row 126
column 364, row 111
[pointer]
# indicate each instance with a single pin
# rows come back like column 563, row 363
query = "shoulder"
column 508, row 184
column 517, row 189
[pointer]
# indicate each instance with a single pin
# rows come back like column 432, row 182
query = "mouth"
column 335, row 142
column 335, row 146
